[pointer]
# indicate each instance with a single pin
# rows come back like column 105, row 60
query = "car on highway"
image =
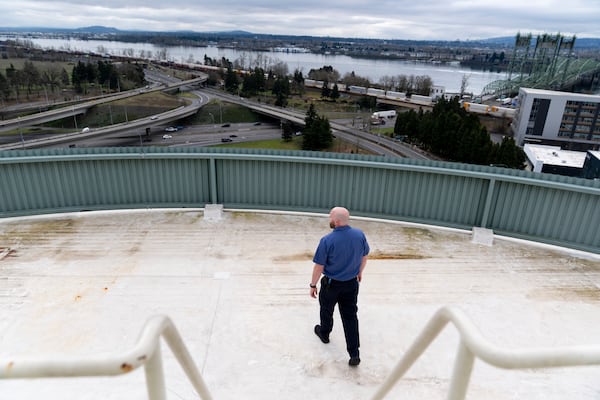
column 225, row 125
column 85, row 130
column 154, row 117
column 226, row 139
column 170, row 129
column 167, row 136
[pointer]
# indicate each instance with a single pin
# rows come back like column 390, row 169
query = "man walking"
column 341, row 258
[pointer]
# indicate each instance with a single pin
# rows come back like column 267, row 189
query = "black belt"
column 336, row 281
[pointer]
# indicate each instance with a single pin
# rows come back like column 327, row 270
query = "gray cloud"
column 423, row 19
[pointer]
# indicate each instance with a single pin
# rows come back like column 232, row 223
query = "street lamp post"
column 75, row 117
column 20, row 133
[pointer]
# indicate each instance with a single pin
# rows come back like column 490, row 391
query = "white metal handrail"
column 473, row 344
column 146, row 352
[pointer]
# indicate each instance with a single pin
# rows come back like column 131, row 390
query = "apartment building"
column 568, row 120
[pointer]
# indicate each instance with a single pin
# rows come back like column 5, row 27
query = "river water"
column 449, row 76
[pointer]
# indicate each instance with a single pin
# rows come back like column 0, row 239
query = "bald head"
column 339, row 216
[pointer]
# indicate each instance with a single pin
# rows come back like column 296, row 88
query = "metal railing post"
column 212, row 179
column 175, row 342
column 488, row 203
column 155, row 378
column 461, row 375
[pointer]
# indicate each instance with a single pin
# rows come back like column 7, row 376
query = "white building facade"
column 437, row 92
column 569, row 120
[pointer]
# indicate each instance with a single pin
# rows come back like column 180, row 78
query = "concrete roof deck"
column 237, row 291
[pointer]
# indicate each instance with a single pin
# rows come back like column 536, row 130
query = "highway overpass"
column 81, row 108
column 374, row 143
column 377, row 144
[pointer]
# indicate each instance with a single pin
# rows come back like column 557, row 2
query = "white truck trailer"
column 384, row 114
column 379, row 117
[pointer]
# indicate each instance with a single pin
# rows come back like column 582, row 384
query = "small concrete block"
column 483, row 236
column 213, row 212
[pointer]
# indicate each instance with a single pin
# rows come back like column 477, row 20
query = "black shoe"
column 354, row 361
column 323, row 338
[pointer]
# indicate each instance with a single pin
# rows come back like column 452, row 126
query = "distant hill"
column 96, row 29
column 110, row 30
column 37, row 29
column 499, row 42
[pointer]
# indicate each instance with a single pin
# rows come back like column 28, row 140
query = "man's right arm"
column 316, row 275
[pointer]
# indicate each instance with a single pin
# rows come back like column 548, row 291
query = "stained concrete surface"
column 237, row 290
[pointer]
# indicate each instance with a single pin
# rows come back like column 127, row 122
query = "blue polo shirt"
column 340, row 253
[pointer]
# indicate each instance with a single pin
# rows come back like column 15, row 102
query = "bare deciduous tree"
column 464, row 84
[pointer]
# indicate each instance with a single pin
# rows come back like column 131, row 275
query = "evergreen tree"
column 249, row 86
column 78, row 76
column 31, row 75
column 309, row 139
column 231, row 80
column 281, row 89
column 105, row 70
column 91, row 73
column 287, row 131
column 253, row 83
column 4, row 87
column 407, row 125
column 323, row 129
column 12, row 76
column 451, row 132
column 317, row 131
column 298, row 82
column 325, row 89
column 509, row 154
column 335, row 93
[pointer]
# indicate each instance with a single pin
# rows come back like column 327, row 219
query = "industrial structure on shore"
column 548, row 63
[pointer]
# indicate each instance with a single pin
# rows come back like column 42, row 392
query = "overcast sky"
column 393, row 19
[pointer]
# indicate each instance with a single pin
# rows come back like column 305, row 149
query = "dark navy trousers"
column 345, row 295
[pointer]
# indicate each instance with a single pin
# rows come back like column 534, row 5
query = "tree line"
column 454, row 134
column 32, row 81
column 108, row 75
column 17, row 83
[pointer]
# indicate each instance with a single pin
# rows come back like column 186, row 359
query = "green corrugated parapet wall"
column 546, row 208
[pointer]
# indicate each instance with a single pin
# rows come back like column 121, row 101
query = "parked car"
column 85, row 130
